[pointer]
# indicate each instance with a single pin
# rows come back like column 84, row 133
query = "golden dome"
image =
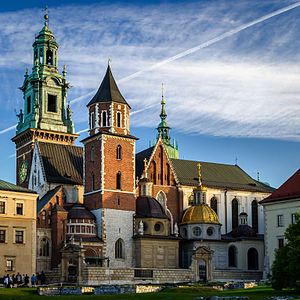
column 200, row 213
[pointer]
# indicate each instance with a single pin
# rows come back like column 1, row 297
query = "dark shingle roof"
column 108, row 90
column 62, row 163
column 79, row 211
column 139, row 160
column 148, row 207
column 217, row 175
column 46, row 198
column 288, row 190
column 7, row 186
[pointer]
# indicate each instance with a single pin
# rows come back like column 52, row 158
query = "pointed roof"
column 108, row 90
column 288, row 190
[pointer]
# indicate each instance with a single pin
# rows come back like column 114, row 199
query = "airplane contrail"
column 191, row 50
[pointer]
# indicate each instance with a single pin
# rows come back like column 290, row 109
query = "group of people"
column 10, row 281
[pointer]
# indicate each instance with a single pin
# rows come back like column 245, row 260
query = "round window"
column 196, row 231
column 157, row 227
column 210, row 231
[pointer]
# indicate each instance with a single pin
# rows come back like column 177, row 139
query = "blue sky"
column 234, row 95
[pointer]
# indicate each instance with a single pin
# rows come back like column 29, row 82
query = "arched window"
column 153, row 174
column 119, row 152
column 119, row 249
column 118, row 119
column 92, row 120
column 49, row 57
column 234, row 213
column 214, row 204
column 93, row 154
column 161, row 165
column 118, row 181
column 44, row 247
column 254, row 211
column 232, row 256
column 104, row 123
column 162, row 199
column 252, row 259
column 168, row 174
column 93, row 182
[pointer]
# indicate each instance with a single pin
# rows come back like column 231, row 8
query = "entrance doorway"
column 202, row 270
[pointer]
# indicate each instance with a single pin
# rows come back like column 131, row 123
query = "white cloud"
column 245, row 85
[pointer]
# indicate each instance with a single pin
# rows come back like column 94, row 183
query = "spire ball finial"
column 108, row 61
column 46, row 15
column 199, row 174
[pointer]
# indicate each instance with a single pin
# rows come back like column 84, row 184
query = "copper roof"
column 7, row 186
column 148, row 207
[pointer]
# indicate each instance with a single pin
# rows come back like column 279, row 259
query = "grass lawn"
column 256, row 293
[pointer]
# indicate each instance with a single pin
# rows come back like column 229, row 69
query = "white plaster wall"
column 118, row 224
column 273, row 232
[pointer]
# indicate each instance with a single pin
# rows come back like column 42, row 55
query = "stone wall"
column 96, row 276
column 236, row 275
column 52, row 276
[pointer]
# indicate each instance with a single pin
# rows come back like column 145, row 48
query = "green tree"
column 286, row 266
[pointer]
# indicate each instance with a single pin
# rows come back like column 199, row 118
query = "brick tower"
column 45, row 116
column 109, row 170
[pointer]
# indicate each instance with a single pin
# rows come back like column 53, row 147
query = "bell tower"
column 109, row 170
column 45, row 116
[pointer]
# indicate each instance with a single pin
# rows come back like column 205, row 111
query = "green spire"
column 45, row 90
column 163, row 129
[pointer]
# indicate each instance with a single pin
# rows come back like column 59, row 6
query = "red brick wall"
column 112, row 197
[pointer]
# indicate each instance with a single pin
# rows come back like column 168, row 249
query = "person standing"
column 33, row 280
column 26, row 280
column 5, row 281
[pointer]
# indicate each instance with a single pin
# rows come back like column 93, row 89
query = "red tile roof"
column 288, row 190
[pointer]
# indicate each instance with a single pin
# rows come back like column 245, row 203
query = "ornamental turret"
column 45, row 90
column 163, row 130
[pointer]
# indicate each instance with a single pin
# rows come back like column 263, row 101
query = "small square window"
column 280, row 221
column 19, row 208
column 2, row 207
column 10, row 265
column 51, row 103
column 19, row 237
column 2, row 236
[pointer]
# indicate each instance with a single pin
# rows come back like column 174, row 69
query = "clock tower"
column 45, row 116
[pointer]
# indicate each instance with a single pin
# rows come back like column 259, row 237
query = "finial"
column 46, row 15
column 64, row 72
column 145, row 163
column 236, row 161
column 162, row 94
column 26, row 71
column 258, row 176
column 108, row 61
column 199, row 174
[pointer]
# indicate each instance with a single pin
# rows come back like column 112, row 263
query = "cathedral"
column 105, row 212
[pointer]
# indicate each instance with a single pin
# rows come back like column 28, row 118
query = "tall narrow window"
column 93, row 154
column 119, row 152
column 28, row 110
column 104, row 123
column 161, row 165
column 254, row 211
column 93, row 182
column 118, row 119
column 2, row 207
column 280, row 222
column 51, row 103
column 119, row 249
column 118, row 179
column 49, row 57
column 92, row 120
column 153, row 174
column 168, row 174
column 214, row 204
column 232, row 256
column 234, row 213
column 2, row 236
